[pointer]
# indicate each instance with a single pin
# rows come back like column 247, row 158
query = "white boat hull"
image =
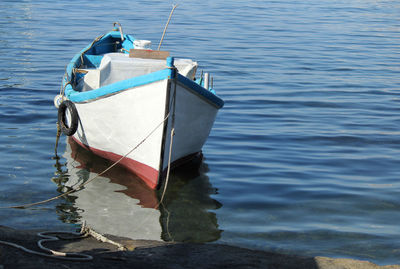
column 112, row 126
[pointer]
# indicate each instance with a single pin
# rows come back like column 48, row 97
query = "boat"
column 136, row 106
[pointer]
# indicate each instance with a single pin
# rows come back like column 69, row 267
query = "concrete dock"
column 152, row 254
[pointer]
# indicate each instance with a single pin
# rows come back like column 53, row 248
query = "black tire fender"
column 73, row 125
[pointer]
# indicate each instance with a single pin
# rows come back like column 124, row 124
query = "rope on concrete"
column 69, row 256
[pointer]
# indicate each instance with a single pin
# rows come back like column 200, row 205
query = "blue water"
column 305, row 156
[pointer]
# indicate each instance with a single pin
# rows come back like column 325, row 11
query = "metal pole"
column 206, row 81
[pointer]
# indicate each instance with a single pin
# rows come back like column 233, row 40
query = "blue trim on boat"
column 201, row 91
column 119, row 86
column 92, row 61
column 128, row 43
column 76, row 96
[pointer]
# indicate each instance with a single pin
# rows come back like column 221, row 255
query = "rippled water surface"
column 304, row 158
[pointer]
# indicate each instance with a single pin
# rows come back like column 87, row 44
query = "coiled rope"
column 70, row 256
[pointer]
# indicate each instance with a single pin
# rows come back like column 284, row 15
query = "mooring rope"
column 169, row 165
column 70, row 256
column 90, row 46
column 99, row 237
column 170, row 143
column 166, row 26
column 57, row 138
column 86, row 230
column 79, row 187
column 81, row 256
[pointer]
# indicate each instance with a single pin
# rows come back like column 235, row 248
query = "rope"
column 172, row 104
column 90, row 180
column 80, row 256
column 166, row 26
column 102, row 238
column 169, row 165
column 90, row 46
column 170, row 143
column 64, row 78
column 57, row 138
column 70, row 256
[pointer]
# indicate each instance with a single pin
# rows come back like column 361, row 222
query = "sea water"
column 304, row 158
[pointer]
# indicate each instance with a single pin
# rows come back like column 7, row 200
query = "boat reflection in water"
column 118, row 203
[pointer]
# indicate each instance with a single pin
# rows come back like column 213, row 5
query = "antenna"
column 166, row 26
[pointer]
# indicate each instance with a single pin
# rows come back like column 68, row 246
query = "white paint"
column 120, row 122
column 194, row 118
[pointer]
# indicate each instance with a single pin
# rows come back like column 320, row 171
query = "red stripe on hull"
column 148, row 174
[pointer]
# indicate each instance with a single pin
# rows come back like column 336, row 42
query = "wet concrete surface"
column 154, row 254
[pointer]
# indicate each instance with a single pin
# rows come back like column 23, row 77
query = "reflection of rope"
column 57, row 138
column 90, row 180
column 52, row 253
column 169, row 164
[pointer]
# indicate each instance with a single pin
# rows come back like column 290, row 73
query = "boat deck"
column 114, row 67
